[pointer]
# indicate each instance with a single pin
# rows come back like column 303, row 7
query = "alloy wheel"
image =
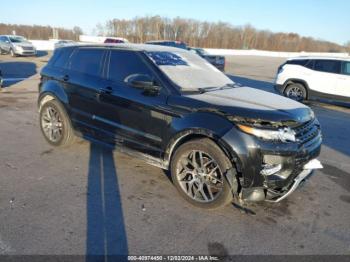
column 295, row 93
column 52, row 124
column 200, row 176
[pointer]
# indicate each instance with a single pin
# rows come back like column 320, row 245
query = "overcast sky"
column 321, row 19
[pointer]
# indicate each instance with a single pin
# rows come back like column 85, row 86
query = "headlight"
column 282, row 134
column 19, row 48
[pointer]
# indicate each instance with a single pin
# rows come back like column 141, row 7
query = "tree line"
column 212, row 35
column 37, row 32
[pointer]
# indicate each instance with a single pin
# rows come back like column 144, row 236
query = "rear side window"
column 60, row 57
column 346, row 68
column 125, row 63
column 301, row 62
column 327, row 66
column 87, row 61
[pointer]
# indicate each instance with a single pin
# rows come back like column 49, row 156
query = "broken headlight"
column 285, row 134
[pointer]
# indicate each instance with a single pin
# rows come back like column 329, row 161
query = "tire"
column 1, row 51
column 296, row 92
column 182, row 169
column 12, row 53
column 52, row 112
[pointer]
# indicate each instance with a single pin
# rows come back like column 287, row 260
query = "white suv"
column 315, row 77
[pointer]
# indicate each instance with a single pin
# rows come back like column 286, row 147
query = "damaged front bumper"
column 271, row 171
column 300, row 179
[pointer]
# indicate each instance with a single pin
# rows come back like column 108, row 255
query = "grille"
column 27, row 48
column 307, row 132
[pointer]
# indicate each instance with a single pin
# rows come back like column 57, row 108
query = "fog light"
column 269, row 170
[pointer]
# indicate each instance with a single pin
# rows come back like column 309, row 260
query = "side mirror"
column 144, row 82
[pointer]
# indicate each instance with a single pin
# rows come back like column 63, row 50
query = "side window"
column 1, row 39
column 346, row 68
column 301, row 62
column 60, row 58
column 310, row 64
column 124, row 63
column 328, row 66
column 87, row 61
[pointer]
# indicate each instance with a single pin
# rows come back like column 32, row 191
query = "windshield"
column 189, row 71
column 17, row 39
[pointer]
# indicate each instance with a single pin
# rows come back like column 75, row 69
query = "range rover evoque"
column 176, row 111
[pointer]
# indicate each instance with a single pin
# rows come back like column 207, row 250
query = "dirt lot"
column 88, row 200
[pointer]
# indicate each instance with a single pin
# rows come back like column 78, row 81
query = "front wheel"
column 296, row 92
column 12, row 53
column 198, row 170
column 55, row 124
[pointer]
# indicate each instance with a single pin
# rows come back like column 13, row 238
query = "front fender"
column 197, row 124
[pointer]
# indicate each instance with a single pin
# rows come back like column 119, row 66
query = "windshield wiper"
column 215, row 88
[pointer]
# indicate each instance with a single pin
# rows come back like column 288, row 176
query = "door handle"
column 65, row 78
column 106, row 90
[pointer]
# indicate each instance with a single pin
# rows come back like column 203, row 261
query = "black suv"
column 173, row 109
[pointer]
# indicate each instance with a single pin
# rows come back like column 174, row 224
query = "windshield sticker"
column 167, row 59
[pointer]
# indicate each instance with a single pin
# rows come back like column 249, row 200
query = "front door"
column 138, row 117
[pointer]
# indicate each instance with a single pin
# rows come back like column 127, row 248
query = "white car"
column 62, row 43
column 305, row 78
column 16, row 45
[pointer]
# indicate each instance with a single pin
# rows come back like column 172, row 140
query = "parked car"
column 62, row 43
column 115, row 40
column 305, row 78
column 215, row 60
column 177, row 44
column 16, row 45
column 168, row 107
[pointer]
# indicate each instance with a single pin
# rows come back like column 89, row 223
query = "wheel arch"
column 297, row 81
column 192, row 134
column 50, row 91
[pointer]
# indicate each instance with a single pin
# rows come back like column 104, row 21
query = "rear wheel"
column 296, row 92
column 198, row 170
column 55, row 124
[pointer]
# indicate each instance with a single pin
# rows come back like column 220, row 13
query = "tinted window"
column 328, row 66
column 346, row 68
column 126, row 63
column 61, row 57
column 301, row 62
column 310, row 64
column 87, row 61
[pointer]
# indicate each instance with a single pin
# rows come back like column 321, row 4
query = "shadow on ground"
column 106, row 235
column 14, row 72
column 41, row 53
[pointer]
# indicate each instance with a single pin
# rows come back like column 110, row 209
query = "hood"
column 251, row 103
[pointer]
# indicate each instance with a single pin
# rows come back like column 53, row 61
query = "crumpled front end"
column 271, row 170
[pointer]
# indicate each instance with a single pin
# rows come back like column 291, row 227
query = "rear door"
column 324, row 77
column 137, row 117
column 343, row 85
column 83, row 82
